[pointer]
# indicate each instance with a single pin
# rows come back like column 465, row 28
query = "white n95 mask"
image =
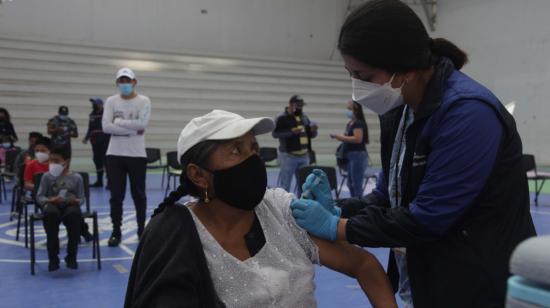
column 41, row 157
column 56, row 169
column 378, row 98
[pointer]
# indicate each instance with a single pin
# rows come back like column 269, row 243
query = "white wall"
column 508, row 42
column 279, row 28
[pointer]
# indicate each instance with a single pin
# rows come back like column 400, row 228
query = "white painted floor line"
column 79, row 260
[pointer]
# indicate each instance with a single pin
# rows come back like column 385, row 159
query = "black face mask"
column 298, row 111
column 242, row 186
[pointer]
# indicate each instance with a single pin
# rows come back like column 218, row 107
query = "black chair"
column 96, row 254
column 8, row 173
column 530, row 168
column 174, row 169
column 17, row 191
column 22, row 203
column 269, row 155
column 370, row 173
column 303, row 172
column 154, row 161
column 344, row 175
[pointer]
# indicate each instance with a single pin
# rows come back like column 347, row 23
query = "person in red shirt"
column 38, row 165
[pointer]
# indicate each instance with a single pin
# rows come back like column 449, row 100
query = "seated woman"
column 238, row 244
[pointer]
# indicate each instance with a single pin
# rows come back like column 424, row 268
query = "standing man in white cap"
column 125, row 117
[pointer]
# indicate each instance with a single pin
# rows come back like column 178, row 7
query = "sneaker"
column 70, row 262
column 53, row 264
column 114, row 240
column 88, row 237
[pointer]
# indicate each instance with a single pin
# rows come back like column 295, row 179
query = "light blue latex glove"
column 316, row 187
column 314, row 218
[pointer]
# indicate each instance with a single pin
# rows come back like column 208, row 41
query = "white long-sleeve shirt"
column 124, row 119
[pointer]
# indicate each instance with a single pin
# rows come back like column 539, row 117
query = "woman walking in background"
column 354, row 148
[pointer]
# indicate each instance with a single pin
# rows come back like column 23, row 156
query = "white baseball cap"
column 220, row 125
column 125, row 72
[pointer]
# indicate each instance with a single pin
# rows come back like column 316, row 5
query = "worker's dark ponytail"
column 387, row 34
column 199, row 155
column 445, row 48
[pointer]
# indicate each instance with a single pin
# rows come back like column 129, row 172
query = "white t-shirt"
column 281, row 274
column 124, row 119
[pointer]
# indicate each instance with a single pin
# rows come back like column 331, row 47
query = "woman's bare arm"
column 361, row 265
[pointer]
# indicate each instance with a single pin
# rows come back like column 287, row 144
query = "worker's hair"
column 199, row 155
column 388, row 35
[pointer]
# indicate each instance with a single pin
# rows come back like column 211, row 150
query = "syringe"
column 307, row 193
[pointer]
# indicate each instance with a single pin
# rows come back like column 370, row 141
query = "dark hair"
column 45, row 141
column 199, row 155
column 61, row 151
column 6, row 112
column 358, row 111
column 388, row 35
column 35, row 135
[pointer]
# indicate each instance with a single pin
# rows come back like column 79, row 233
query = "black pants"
column 118, row 167
column 99, row 148
column 70, row 216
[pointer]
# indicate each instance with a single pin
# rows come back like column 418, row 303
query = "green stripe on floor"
column 545, row 188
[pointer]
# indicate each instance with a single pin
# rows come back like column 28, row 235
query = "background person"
column 40, row 164
column 294, row 130
column 126, row 117
column 60, row 194
column 98, row 139
column 61, row 128
column 7, row 131
column 354, row 143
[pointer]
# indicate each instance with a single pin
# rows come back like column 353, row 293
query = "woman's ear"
column 197, row 176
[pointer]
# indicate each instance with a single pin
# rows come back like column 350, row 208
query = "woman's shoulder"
column 359, row 123
column 171, row 219
column 277, row 202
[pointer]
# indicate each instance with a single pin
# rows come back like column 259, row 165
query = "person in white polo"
column 125, row 117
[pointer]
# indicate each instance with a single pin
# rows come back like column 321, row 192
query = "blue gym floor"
column 89, row 287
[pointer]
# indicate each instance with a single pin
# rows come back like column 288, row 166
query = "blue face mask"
column 126, row 89
column 349, row 114
column 6, row 145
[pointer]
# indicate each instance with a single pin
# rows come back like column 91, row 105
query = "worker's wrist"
column 341, row 230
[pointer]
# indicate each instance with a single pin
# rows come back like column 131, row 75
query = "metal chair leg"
column 96, row 236
column 18, row 223
column 162, row 179
column 26, row 227
column 14, row 193
column 4, row 188
column 33, row 256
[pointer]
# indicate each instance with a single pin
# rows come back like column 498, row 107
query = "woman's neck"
column 224, row 218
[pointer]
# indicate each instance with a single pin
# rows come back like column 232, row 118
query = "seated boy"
column 40, row 164
column 60, row 194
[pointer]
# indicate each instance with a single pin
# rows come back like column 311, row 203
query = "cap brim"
column 237, row 129
column 125, row 75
